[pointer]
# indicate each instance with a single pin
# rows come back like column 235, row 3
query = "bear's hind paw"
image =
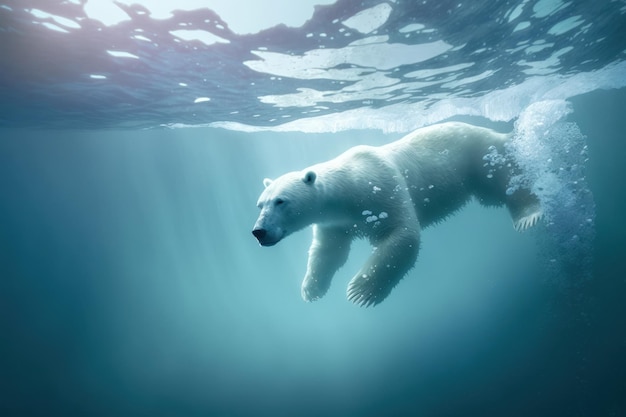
column 527, row 221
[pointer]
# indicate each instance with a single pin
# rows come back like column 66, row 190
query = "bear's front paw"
column 366, row 291
column 311, row 290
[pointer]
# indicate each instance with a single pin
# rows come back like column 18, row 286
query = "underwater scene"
column 180, row 181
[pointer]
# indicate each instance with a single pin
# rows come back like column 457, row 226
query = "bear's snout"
column 259, row 234
column 265, row 237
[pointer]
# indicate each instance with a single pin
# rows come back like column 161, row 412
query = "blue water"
column 130, row 283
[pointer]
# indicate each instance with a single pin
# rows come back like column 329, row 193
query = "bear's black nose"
column 259, row 233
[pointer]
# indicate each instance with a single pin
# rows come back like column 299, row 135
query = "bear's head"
column 287, row 204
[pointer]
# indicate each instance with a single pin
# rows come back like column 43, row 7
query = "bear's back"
column 443, row 166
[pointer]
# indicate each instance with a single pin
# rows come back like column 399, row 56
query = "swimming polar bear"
column 388, row 194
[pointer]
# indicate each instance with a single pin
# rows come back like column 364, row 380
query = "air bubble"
column 550, row 155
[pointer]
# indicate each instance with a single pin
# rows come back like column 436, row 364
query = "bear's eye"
column 279, row 201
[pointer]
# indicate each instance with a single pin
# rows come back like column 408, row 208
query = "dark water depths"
column 131, row 286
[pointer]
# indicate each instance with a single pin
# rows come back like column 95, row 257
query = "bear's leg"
column 329, row 251
column 393, row 257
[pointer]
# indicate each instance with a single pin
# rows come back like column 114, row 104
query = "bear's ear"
column 309, row 177
column 267, row 182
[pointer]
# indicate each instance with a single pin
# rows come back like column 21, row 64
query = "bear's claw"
column 363, row 296
column 528, row 221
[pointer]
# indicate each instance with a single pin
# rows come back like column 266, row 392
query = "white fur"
column 388, row 194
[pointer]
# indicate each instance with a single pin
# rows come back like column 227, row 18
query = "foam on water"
column 498, row 105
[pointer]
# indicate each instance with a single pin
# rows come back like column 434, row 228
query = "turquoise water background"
column 131, row 285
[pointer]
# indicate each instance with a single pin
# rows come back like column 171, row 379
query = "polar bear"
column 388, row 194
